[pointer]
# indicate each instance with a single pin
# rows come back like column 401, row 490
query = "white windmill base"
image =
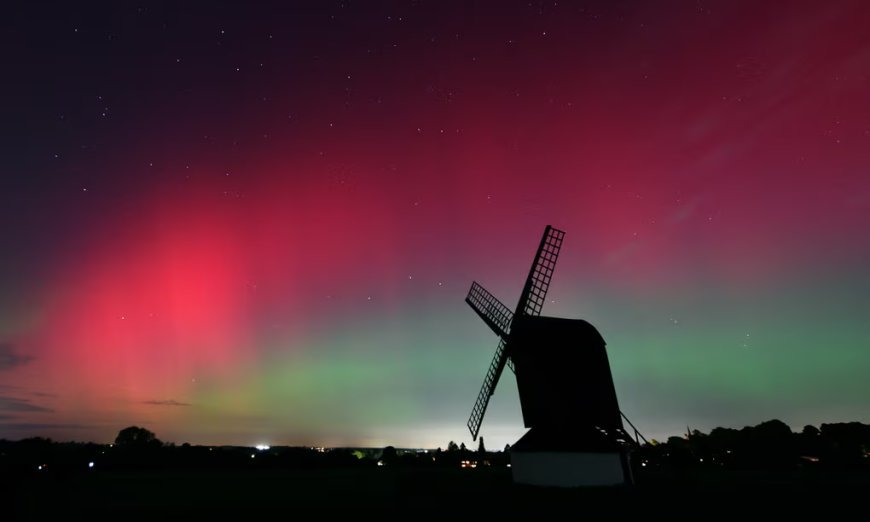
column 566, row 469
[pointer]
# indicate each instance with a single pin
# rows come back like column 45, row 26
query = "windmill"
column 564, row 382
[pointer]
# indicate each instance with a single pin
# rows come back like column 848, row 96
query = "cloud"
column 29, row 428
column 20, row 405
column 10, row 359
column 166, row 403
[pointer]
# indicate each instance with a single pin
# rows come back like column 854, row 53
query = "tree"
column 462, row 446
column 480, row 447
column 811, row 431
column 389, row 455
column 135, row 437
column 451, row 446
column 810, row 442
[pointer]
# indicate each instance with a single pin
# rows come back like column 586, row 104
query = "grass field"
column 422, row 494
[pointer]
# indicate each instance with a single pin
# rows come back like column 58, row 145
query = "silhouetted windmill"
column 564, row 381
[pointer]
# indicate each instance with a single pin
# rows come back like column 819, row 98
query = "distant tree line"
column 138, row 448
column 769, row 445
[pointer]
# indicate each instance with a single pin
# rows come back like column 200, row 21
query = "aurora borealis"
column 238, row 224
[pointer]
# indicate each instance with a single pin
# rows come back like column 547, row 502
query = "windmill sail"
column 496, row 315
column 486, row 391
column 535, row 290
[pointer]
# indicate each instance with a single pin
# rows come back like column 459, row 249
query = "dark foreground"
column 423, row 494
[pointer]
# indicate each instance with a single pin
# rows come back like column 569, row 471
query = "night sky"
column 238, row 224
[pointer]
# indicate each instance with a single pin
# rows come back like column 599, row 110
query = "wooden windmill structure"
column 566, row 388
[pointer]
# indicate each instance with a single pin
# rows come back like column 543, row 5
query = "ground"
column 437, row 493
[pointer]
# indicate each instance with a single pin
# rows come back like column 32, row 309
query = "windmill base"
column 570, row 469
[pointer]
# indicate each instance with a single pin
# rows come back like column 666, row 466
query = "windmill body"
column 568, row 399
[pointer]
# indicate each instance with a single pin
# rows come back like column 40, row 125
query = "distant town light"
column 90, row 464
column 262, row 447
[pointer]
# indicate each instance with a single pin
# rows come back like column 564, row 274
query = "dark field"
column 413, row 494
